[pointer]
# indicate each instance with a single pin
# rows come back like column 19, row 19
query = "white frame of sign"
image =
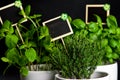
column 94, row 5
column 63, row 35
column 6, row 7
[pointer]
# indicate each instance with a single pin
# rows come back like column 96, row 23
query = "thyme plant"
column 80, row 57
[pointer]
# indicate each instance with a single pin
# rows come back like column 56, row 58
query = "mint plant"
column 27, row 44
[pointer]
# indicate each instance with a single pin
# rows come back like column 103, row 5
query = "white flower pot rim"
column 93, row 76
column 108, row 64
column 43, row 71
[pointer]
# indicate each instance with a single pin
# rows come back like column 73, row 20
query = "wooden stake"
column 19, row 34
column 64, row 45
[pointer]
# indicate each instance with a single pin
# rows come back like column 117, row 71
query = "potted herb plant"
column 110, row 41
column 77, row 58
column 107, row 35
column 28, row 46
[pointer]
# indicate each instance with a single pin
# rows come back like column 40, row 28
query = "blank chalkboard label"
column 10, row 12
column 58, row 28
column 96, row 9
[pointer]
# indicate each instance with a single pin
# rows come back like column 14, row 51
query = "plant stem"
column 6, row 69
column 35, row 25
column 32, row 21
column 29, row 66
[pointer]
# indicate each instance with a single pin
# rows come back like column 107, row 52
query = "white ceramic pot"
column 94, row 76
column 39, row 75
column 111, row 69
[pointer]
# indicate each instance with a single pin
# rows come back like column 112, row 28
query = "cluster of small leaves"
column 79, row 59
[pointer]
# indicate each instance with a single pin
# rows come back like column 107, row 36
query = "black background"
column 50, row 9
column 96, row 10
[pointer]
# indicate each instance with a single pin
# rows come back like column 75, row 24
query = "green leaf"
column 7, row 27
column 36, row 16
column 27, row 10
column 115, row 56
column 79, row 24
column 111, row 60
column 99, row 32
column 69, row 19
column 24, row 71
column 11, row 30
column 2, row 35
column 118, row 46
column 23, row 61
column 118, row 31
column 22, row 20
column 31, row 44
column 99, row 20
column 29, row 33
column 104, row 42
column 4, row 59
column 23, row 46
column 93, row 36
column 108, row 49
column 45, row 59
column 112, row 30
column 111, row 21
column 43, row 32
column 46, row 42
column 11, row 41
column 6, row 24
column 93, row 27
column 31, row 54
column 22, row 13
column 113, row 43
column 109, row 55
column 13, row 55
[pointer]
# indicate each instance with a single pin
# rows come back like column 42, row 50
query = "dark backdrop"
column 50, row 9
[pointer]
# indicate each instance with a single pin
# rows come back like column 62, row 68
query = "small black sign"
column 58, row 28
column 96, row 9
column 10, row 12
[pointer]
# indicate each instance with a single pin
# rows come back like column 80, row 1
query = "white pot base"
column 39, row 75
column 111, row 69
